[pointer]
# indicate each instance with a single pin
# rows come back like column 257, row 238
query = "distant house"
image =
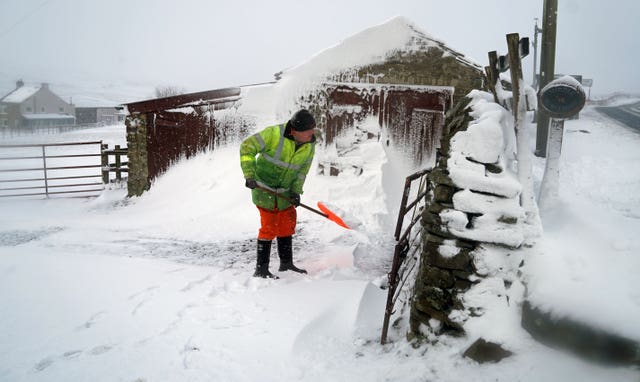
column 34, row 106
column 96, row 110
column 100, row 115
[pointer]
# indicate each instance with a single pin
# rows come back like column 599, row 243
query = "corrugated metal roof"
column 218, row 96
column 21, row 94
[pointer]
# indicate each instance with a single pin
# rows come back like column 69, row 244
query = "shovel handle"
column 291, row 201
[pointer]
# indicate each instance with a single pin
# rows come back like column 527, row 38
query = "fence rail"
column 408, row 244
column 53, row 174
column 10, row 132
column 118, row 166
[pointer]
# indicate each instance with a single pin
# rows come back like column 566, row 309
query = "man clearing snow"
column 284, row 155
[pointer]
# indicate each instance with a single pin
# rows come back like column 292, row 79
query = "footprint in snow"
column 72, row 354
column 143, row 292
column 145, row 295
column 195, row 283
column 43, row 364
column 91, row 321
column 186, row 351
column 137, row 307
column 100, row 349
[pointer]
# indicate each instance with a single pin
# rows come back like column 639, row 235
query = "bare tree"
column 168, row 91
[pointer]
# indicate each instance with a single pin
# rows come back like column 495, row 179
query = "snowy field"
column 159, row 288
column 588, row 259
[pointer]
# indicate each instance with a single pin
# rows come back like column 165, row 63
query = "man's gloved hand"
column 250, row 183
column 295, row 198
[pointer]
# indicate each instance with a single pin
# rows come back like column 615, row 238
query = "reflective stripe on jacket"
column 279, row 165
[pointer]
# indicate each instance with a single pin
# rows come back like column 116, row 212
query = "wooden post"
column 515, row 67
column 104, row 162
column 490, row 84
column 525, row 172
column 118, row 164
column 494, row 74
column 547, row 69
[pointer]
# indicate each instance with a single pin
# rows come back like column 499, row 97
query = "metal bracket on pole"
column 523, row 51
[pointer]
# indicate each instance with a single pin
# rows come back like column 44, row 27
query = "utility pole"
column 536, row 31
column 547, row 69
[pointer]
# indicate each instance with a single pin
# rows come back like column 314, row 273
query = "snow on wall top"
column 486, row 141
column 21, row 94
column 372, row 45
column 493, row 194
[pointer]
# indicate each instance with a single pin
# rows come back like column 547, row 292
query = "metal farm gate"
column 54, row 169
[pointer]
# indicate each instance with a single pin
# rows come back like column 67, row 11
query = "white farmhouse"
column 34, row 106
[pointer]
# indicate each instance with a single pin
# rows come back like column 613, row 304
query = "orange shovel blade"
column 332, row 216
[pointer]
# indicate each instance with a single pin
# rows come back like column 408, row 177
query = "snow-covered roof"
column 47, row 116
column 21, row 94
column 370, row 46
column 373, row 45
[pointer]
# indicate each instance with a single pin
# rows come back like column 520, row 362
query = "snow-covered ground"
column 159, row 288
column 588, row 259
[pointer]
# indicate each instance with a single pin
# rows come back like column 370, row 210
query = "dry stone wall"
column 431, row 66
column 472, row 224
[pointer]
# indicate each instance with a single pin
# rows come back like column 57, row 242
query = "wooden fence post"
column 104, row 162
column 493, row 74
column 525, row 175
column 118, row 163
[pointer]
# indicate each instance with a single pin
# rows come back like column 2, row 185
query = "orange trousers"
column 277, row 223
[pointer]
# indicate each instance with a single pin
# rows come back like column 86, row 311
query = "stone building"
column 34, row 106
column 99, row 115
column 394, row 74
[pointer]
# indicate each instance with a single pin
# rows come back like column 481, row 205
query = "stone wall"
column 440, row 279
column 138, row 178
column 429, row 67
column 469, row 282
column 472, row 228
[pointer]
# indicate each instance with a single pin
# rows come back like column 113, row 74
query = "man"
column 284, row 154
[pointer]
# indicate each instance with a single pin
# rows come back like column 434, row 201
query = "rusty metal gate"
column 408, row 243
column 413, row 115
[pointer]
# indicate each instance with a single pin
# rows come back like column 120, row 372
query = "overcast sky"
column 200, row 45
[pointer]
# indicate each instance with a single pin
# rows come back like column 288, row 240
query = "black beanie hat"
column 302, row 120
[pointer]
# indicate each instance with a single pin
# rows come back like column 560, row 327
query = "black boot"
column 285, row 252
column 262, row 265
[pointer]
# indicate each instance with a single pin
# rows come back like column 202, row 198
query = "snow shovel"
column 324, row 211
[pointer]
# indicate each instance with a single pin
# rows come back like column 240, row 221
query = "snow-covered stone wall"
column 473, row 223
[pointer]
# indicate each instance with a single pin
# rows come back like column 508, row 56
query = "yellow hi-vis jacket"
column 281, row 165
